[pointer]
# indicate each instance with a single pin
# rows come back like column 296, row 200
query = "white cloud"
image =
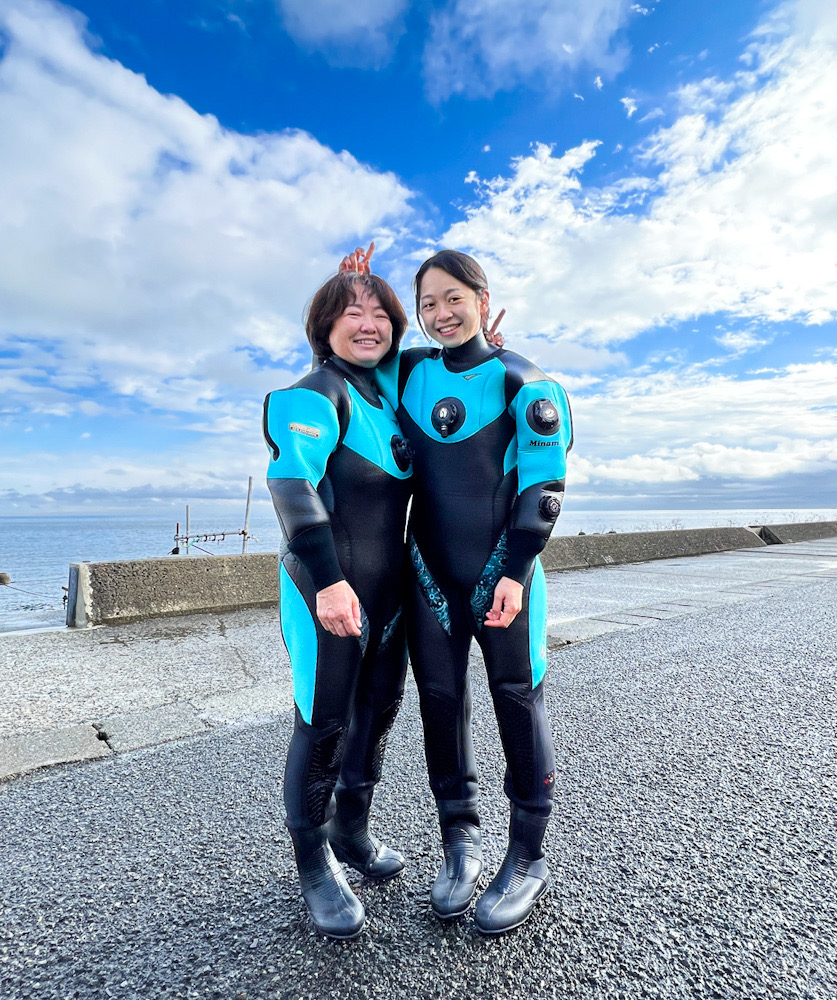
column 742, row 341
column 597, row 83
column 629, row 104
column 682, row 426
column 145, row 246
column 478, row 47
column 363, row 33
column 734, row 213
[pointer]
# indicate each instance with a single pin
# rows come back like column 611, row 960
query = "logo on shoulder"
column 311, row 432
column 472, row 375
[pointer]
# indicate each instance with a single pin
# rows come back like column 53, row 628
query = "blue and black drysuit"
column 489, row 433
column 339, row 476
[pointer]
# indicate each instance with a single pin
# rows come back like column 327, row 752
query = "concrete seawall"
column 112, row 593
column 586, row 551
column 801, row 531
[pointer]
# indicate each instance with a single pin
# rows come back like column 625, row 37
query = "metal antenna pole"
column 247, row 514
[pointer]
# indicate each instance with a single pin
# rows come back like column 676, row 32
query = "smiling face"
column 362, row 333
column 452, row 313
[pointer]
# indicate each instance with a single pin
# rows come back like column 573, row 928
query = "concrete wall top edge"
column 120, row 591
column 184, row 561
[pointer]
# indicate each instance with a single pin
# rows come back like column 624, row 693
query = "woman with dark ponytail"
column 489, row 434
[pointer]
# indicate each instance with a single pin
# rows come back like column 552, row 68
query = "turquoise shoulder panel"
column 482, row 390
column 537, row 624
column 370, row 433
column 539, row 457
column 387, row 378
column 300, row 635
column 304, row 427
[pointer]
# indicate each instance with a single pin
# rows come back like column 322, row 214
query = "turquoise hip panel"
column 300, row 635
column 537, row 624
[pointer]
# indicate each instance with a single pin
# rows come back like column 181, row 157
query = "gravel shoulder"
column 692, row 845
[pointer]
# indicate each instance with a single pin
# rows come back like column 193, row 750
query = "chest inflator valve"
column 448, row 416
column 401, row 452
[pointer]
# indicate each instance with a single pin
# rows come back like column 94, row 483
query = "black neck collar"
column 363, row 379
column 472, row 352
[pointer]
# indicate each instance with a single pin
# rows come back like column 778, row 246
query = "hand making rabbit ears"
column 358, row 261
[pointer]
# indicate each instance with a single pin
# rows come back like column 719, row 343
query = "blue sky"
column 651, row 189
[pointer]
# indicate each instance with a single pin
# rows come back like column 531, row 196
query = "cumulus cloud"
column 740, row 342
column 689, row 428
column 731, row 213
column 478, row 47
column 145, row 248
column 629, row 104
column 363, row 33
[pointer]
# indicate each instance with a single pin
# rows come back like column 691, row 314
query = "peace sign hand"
column 357, row 261
column 493, row 335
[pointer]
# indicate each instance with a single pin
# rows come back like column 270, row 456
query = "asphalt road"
column 692, row 847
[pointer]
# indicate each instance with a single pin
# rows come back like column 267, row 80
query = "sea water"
column 36, row 551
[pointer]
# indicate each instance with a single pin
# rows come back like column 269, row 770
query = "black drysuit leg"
column 439, row 642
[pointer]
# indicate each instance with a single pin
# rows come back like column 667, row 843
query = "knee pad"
column 326, row 753
column 526, row 740
column 443, row 717
column 387, row 720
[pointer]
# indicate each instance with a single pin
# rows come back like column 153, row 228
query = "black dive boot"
column 353, row 844
column 521, row 880
column 456, row 883
column 334, row 908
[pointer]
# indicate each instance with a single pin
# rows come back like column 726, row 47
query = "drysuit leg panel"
column 378, row 694
column 509, row 651
column 325, row 670
column 439, row 654
column 311, row 772
column 527, row 744
column 515, row 660
column 325, row 666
